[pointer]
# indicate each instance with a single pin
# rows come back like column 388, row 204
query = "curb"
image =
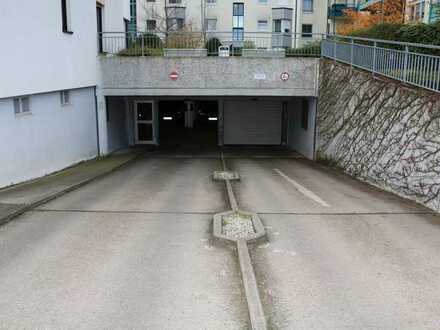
column 28, row 207
column 255, row 307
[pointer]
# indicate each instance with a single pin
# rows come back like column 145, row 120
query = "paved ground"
column 19, row 198
column 134, row 250
column 368, row 260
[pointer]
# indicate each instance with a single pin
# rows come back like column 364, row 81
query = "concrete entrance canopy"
column 208, row 76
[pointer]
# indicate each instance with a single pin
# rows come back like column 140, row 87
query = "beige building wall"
column 198, row 11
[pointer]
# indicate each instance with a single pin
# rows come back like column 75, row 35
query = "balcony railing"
column 252, row 44
column 414, row 64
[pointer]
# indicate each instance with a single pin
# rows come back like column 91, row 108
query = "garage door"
column 252, row 122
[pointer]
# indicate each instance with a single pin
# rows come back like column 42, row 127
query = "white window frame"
column 22, row 105
column 263, row 29
column 65, row 98
column 308, row 10
column 207, row 24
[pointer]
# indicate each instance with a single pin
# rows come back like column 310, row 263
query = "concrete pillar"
column 102, row 123
column 220, row 122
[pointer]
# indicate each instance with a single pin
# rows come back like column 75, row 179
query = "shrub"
column 385, row 31
column 311, row 49
column 249, row 44
column 183, row 39
column 149, row 40
column 137, row 51
column 212, row 46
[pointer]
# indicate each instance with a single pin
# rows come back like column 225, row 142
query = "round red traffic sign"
column 174, row 75
column 285, row 76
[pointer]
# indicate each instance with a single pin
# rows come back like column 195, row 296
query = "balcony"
column 337, row 10
column 282, row 13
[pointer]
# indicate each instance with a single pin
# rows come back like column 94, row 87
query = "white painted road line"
column 303, row 190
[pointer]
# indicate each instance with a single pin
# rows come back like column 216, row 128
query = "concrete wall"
column 209, row 76
column 381, row 131
column 48, row 139
column 300, row 139
column 37, row 57
column 117, row 122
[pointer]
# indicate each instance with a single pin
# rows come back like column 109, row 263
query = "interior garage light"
column 167, row 118
column 212, row 118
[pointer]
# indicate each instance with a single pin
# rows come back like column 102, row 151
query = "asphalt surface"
column 134, row 250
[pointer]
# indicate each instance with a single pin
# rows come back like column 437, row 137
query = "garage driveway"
column 134, row 250
column 366, row 260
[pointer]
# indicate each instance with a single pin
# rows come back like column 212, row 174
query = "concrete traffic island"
column 240, row 227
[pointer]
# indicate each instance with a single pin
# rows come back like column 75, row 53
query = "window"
column 22, row 105
column 238, row 21
column 65, row 16
column 211, row 2
column 307, row 30
column 174, row 2
column 262, row 25
column 180, row 23
column 151, row 0
column 305, row 115
column 151, row 24
column 308, row 6
column 65, row 97
column 211, row 24
column 276, row 25
column 262, row 2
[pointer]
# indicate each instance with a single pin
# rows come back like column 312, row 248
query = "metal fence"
column 242, row 44
column 415, row 64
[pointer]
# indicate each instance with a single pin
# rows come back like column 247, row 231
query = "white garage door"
column 252, row 122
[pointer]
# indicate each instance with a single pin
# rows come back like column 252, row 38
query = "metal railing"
column 257, row 43
column 414, row 64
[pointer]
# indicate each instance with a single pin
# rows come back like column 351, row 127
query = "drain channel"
column 241, row 227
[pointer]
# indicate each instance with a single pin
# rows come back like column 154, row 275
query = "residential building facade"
column 49, row 74
column 422, row 11
column 238, row 17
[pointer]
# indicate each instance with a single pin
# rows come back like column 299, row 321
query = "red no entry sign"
column 174, row 75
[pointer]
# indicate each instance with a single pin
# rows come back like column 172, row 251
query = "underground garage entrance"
column 188, row 123
column 253, row 121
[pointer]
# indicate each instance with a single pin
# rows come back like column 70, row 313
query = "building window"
column 262, row 25
column 65, row 97
column 238, row 21
column 276, row 25
column 65, row 16
column 211, row 2
column 307, row 30
column 262, row 2
column 180, row 23
column 211, row 24
column 22, row 105
column 151, row 0
column 151, row 24
column 174, row 2
column 305, row 115
column 308, row 6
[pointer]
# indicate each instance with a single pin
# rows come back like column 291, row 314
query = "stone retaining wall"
column 380, row 131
